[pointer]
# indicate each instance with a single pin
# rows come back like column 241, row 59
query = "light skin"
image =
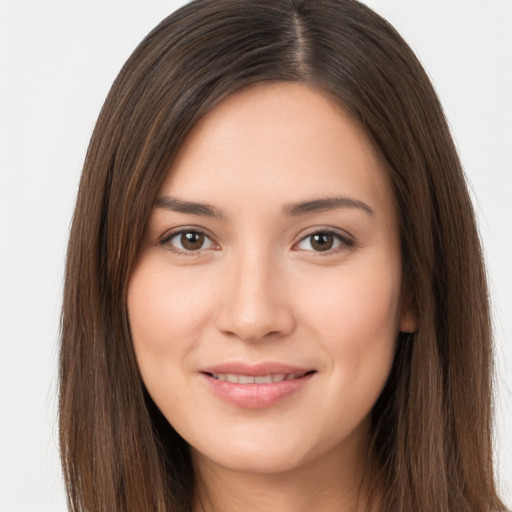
column 274, row 241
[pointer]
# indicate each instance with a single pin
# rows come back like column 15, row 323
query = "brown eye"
column 325, row 242
column 192, row 240
column 322, row 241
column 187, row 241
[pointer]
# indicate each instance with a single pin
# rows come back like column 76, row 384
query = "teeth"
column 266, row 379
column 251, row 379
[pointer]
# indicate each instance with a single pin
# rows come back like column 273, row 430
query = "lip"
column 256, row 370
column 256, row 395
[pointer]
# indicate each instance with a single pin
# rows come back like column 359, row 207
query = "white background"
column 57, row 61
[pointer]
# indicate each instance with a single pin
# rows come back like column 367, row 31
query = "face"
column 265, row 304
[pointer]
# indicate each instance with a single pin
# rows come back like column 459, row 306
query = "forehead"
column 275, row 141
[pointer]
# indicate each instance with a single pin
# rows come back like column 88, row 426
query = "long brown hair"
column 432, row 423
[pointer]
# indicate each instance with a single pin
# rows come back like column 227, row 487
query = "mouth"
column 256, row 387
column 235, row 378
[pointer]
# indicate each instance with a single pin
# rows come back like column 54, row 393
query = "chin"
column 271, row 452
column 253, row 459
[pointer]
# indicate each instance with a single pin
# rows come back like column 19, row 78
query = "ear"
column 409, row 314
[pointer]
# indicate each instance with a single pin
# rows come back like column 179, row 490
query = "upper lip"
column 256, row 370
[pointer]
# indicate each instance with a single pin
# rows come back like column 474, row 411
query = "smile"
column 260, row 379
column 255, row 387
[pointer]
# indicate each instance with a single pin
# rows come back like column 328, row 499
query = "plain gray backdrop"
column 58, row 59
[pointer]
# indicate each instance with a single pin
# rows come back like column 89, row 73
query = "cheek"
column 356, row 322
column 356, row 326
column 355, row 302
column 166, row 311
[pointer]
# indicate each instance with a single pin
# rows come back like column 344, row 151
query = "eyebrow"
column 178, row 205
column 316, row 205
column 324, row 204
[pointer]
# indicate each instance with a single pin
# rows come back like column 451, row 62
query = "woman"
column 275, row 297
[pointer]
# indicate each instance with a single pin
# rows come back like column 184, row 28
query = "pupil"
column 322, row 242
column 192, row 241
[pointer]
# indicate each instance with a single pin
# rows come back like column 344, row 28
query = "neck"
column 334, row 482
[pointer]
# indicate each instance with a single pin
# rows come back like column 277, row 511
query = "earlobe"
column 409, row 317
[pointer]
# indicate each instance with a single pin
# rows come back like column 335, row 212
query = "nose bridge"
column 254, row 304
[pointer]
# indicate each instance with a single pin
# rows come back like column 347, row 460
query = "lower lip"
column 256, row 396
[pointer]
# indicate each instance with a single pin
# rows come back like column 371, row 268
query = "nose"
column 254, row 304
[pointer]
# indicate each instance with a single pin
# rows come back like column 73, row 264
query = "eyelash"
column 166, row 239
column 345, row 241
